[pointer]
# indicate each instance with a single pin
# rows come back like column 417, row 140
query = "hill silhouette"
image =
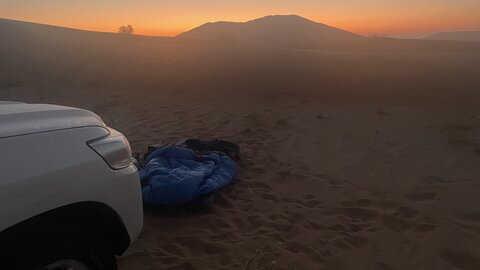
column 279, row 30
column 457, row 36
column 28, row 34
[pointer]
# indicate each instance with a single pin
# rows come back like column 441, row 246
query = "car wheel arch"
column 97, row 215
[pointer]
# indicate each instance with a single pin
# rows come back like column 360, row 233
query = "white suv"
column 69, row 194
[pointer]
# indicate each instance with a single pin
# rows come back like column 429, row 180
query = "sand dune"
column 459, row 36
column 351, row 159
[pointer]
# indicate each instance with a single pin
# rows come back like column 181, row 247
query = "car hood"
column 21, row 118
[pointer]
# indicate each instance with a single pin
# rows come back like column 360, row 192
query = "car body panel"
column 21, row 118
column 54, row 167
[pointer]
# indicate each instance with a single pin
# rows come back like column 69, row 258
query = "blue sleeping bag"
column 177, row 175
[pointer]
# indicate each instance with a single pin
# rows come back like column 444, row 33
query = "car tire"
column 66, row 246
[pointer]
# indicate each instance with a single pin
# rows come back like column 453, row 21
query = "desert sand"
column 360, row 157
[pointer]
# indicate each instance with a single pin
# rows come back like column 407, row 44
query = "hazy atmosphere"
column 407, row 18
column 358, row 151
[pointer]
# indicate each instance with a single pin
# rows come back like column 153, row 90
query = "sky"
column 406, row 18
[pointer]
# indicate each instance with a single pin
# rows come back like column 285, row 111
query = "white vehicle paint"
column 55, row 156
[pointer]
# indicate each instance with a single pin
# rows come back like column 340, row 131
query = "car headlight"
column 114, row 149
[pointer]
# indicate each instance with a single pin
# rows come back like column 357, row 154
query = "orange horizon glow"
column 167, row 18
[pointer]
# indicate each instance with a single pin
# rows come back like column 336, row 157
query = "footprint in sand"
column 257, row 170
column 469, row 217
column 269, row 197
column 315, row 226
column 360, row 214
column 358, row 241
column 357, row 203
column 435, row 180
column 259, row 186
column 196, row 245
column 182, row 266
column 308, row 203
column 256, row 221
column 312, row 203
column 407, row 212
column 350, row 241
column 425, row 227
column 365, row 214
column 422, row 196
column 459, row 259
column 332, row 183
column 395, row 224
column 223, row 201
column 382, row 266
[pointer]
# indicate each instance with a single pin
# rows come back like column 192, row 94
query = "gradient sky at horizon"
column 169, row 17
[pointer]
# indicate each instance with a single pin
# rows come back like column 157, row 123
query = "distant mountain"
column 459, row 36
column 280, row 30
